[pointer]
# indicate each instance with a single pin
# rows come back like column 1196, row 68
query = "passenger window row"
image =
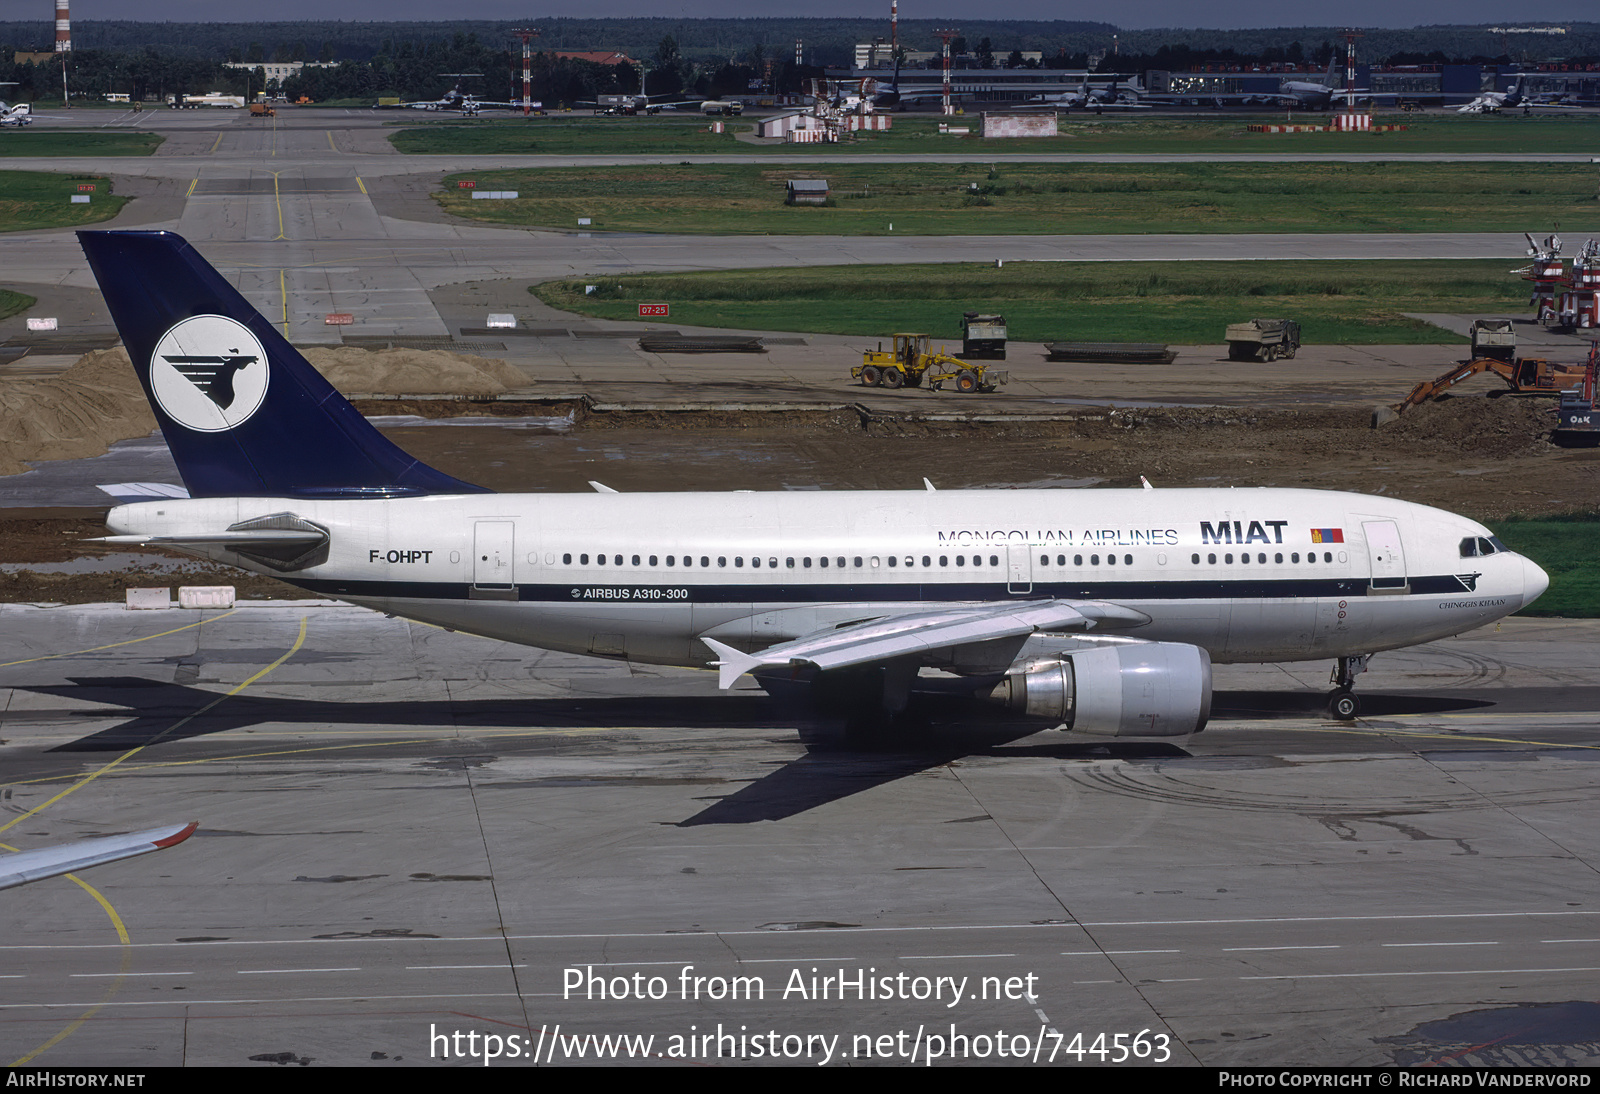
column 840, row 562
column 1094, row 560
column 806, row 562
column 858, row 562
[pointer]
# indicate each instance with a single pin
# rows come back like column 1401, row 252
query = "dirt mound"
column 1504, row 425
column 76, row 414
column 99, row 401
column 412, row 371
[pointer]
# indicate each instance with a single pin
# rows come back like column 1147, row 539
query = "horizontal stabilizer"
column 234, row 541
column 142, row 491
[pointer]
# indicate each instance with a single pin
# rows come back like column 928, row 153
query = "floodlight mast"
column 945, row 34
column 527, row 34
column 64, row 47
column 1350, row 35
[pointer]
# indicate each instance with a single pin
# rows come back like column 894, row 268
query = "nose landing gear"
column 1342, row 702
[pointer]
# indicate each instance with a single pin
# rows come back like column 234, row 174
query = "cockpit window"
column 1495, row 544
column 1476, row 546
column 1469, row 547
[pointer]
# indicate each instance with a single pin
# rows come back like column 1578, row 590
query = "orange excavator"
column 1494, row 349
column 1525, row 374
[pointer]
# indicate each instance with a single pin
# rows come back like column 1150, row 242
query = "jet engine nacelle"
column 1146, row 689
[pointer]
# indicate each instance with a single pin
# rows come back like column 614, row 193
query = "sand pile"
column 412, row 371
column 98, row 400
column 76, row 414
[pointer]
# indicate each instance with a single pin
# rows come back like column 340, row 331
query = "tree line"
column 410, row 61
column 412, row 70
column 709, row 42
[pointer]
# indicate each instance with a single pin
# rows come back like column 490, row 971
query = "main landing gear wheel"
column 1342, row 702
column 1344, row 706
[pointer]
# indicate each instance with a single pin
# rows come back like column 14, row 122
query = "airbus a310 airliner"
column 1101, row 610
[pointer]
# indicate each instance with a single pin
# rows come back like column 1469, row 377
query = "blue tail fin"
column 243, row 413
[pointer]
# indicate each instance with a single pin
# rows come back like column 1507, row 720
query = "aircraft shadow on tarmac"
column 833, row 767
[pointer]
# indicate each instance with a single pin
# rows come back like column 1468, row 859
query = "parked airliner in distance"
column 1099, row 610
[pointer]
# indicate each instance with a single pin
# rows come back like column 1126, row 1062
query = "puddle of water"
column 546, row 425
column 116, row 561
column 1536, row 1034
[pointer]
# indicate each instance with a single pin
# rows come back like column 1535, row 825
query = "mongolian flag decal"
column 1327, row 535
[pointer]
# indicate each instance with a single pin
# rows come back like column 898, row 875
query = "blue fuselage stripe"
column 691, row 591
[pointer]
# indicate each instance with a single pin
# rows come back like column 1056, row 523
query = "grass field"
column 35, row 199
column 13, row 302
column 569, row 136
column 1183, row 304
column 1081, row 133
column 1029, row 198
column 1564, row 546
column 77, row 142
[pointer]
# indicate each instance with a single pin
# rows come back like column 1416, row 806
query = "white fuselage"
column 1249, row 575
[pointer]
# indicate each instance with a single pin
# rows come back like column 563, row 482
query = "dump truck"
column 983, row 336
column 1495, row 338
column 262, row 110
column 912, row 364
column 1262, row 339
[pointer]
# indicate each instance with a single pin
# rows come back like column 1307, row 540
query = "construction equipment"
column 1526, row 374
column 1262, row 339
column 1578, row 419
column 983, row 336
column 1494, row 338
column 913, row 364
column 700, row 343
column 1111, row 353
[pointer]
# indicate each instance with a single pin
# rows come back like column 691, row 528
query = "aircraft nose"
column 1534, row 581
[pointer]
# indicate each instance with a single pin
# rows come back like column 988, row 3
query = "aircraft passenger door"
column 1387, row 555
column 493, row 545
column 1019, row 568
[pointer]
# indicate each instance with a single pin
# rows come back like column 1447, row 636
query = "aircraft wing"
column 920, row 633
column 25, row 866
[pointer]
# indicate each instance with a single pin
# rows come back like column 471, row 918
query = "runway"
column 404, row 830
column 314, row 212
